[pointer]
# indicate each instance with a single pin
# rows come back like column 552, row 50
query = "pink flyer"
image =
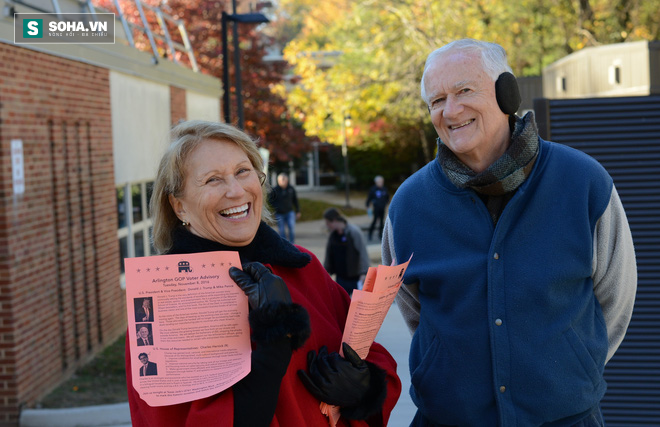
column 366, row 314
column 187, row 324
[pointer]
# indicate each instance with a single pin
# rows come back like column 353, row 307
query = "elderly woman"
column 209, row 196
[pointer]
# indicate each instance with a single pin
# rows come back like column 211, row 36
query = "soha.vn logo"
column 33, row 28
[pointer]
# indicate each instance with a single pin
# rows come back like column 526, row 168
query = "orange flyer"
column 366, row 314
column 187, row 324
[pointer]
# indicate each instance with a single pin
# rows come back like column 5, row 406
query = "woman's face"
column 222, row 198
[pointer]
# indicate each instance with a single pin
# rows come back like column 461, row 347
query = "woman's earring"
column 184, row 223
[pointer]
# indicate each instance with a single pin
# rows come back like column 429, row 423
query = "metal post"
column 317, row 166
column 237, row 72
column 225, row 71
column 147, row 30
column 344, row 152
column 248, row 18
column 186, row 43
column 166, row 33
column 127, row 27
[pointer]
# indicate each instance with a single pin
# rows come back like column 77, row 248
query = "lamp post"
column 236, row 18
column 345, row 123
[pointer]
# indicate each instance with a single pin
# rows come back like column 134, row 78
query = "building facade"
column 82, row 128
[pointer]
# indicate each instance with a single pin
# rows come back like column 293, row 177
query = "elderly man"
column 144, row 336
column 523, row 278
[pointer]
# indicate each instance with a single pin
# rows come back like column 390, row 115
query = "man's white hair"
column 493, row 57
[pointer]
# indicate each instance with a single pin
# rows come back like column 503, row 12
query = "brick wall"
column 178, row 104
column 60, row 299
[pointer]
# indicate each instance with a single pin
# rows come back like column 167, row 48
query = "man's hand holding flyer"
column 196, row 341
column 366, row 314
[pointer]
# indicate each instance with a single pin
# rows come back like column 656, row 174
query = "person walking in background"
column 378, row 197
column 284, row 200
column 345, row 253
column 524, row 277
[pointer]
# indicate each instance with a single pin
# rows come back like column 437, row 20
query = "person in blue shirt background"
column 378, row 197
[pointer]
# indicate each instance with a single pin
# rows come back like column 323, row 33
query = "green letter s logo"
column 32, row 28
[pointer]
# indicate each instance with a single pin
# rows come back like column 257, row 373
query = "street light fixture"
column 346, row 123
column 236, row 18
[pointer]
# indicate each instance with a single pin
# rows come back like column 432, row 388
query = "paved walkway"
column 312, row 235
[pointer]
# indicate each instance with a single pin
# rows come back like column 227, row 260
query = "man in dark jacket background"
column 284, row 200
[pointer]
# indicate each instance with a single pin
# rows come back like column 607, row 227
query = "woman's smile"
column 237, row 212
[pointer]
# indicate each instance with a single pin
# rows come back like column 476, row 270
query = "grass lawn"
column 313, row 209
column 103, row 380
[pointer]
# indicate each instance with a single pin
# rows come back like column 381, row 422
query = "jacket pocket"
column 589, row 365
column 423, row 385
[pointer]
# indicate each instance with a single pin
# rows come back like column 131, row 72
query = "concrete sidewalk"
column 312, row 235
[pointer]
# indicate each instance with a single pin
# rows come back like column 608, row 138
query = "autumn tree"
column 367, row 57
column 266, row 114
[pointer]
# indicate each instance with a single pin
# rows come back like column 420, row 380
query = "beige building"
column 623, row 69
column 82, row 127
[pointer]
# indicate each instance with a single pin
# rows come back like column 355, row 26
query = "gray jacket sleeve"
column 614, row 271
column 408, row 297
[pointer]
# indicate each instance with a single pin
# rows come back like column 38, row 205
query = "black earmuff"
column 507, row 93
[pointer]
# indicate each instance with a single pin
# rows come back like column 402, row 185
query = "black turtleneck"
column 270, row 360
column 267, row 247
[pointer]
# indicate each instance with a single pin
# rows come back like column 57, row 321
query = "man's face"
column 464, row 109
column 144, row 360
column 144, row 332
column 282, row 181
column 146, row 303
column 330, row 225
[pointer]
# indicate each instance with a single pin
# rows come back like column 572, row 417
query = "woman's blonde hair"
column 185, row 137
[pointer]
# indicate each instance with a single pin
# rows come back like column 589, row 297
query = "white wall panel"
column 202, row 107
column 140, row 126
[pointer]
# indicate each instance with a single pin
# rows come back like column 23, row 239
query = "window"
column 561, row 84
column 614, row 74
column 134, row 222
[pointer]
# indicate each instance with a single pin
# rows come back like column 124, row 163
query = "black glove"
column 336, row 380
column 260, row 285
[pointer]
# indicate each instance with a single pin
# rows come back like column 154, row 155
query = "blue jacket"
column 510, row 332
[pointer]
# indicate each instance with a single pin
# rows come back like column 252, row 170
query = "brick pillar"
column 61, row 301
column 178, row 107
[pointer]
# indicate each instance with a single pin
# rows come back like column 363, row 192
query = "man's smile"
column 454, row 127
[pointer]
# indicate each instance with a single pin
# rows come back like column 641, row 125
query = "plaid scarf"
column 497, row 183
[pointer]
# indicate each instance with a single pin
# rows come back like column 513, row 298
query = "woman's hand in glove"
column 260, row 285
column 342, row 381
